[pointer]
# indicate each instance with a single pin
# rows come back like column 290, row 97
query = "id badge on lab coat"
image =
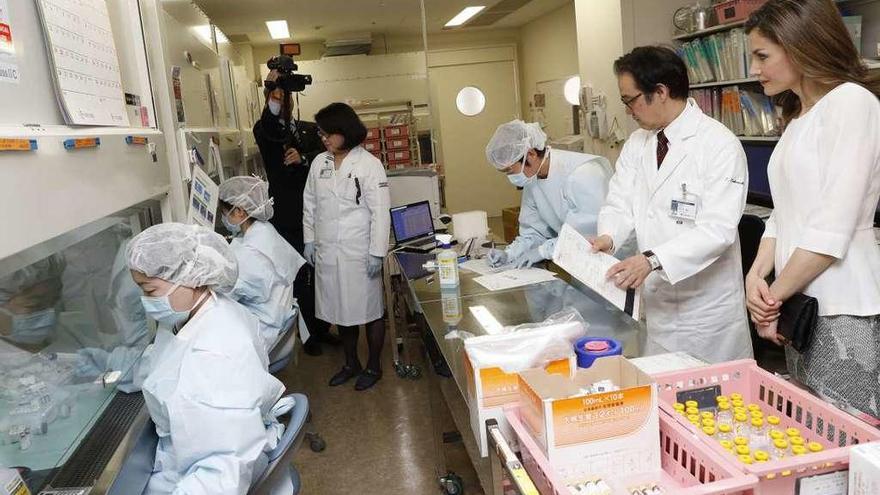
column 326, row 172
column 685, row 207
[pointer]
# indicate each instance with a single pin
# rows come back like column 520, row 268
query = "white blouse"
column 825, row 181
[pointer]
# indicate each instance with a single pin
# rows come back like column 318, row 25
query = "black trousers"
column 304, row 291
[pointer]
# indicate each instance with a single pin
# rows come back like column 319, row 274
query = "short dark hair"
column 650, row 66
column 339, row 118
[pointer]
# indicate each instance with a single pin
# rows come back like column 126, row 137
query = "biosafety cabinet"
column 106, row 106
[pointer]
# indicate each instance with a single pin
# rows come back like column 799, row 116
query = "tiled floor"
column 380, row 441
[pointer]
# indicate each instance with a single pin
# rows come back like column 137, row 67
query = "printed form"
column 575, row 255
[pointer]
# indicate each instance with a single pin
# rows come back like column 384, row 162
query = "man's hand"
column 601, row 244
column 292, row 157
column 631, row 272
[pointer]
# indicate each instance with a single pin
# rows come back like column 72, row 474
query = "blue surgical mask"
column 275, row 107
column 32, row 328
column 233, row 228
column 159, row 308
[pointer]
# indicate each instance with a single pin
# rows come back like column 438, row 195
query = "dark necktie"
column 662, row 147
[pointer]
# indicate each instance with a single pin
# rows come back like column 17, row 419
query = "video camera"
column 287, row 80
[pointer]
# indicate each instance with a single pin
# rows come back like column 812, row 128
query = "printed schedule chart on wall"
column 80, row 44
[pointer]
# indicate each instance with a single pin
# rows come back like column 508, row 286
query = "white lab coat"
column 267, row 268
column 573, row 192
column 210, row 396
column 347, row 228
column 696, row 303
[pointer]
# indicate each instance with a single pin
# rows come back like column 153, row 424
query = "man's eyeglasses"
column 629, row 101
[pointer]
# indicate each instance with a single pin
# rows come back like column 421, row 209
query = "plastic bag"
column 531, row 345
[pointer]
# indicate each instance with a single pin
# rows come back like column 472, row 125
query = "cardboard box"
column 864, row 469
column 510, row 220
column 490, row 389
column 584, row 435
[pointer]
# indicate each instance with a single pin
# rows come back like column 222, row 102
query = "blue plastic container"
column 590, row 348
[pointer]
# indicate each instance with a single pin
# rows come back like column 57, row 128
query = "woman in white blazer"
column 825, row 180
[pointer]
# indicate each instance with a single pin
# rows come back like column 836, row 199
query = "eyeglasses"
column 322, row 134
column 629, row 101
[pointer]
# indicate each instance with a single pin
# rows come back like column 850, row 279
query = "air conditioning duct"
column 355, row 44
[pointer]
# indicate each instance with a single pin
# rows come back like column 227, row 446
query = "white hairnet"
column 44, row 270
column 251, row 194
column 511, row 142
column 189, row 255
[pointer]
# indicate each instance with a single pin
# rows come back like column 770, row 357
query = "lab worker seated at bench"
column 558, row 187
column 267, row 264
column 204, row 379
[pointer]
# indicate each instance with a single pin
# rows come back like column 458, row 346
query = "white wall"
column 548, row 51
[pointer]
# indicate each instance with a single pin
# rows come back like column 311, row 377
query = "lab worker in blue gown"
column 558, row 187
column 267, row 264
column 204, row 379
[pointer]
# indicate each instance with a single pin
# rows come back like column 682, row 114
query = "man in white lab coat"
column 558, row 187
column 680, row 184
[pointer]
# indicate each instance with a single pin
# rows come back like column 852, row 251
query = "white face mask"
column 275, row 107
column 520, row 179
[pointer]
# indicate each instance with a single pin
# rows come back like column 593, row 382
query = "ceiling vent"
column 359, row 44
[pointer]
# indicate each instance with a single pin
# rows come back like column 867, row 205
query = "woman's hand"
column 763, row 306
column 769, row 332
column 292, row 157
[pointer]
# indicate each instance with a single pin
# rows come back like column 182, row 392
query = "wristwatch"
column 653, row 260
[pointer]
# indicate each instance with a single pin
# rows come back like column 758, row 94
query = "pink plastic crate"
column 396, row 131
column 817, row 420
column 398, row 155
column 372, row 146
column 373, row 133
column 689, row 468
column 397, row 143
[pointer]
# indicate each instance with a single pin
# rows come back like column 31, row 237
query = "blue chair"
column 280, row 458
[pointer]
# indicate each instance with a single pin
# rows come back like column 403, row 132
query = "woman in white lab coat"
column 204, row 379
column 346, row 224
column 680, row 184
column 825, row 179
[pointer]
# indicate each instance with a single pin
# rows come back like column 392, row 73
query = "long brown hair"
column 814, row 37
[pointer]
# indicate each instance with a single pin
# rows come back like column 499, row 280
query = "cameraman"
column 287, row 147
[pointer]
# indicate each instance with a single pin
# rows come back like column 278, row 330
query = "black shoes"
column 344, row 375
column 367, row 379
column 313, row 348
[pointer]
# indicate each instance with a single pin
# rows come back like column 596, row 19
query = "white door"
column 471, row 183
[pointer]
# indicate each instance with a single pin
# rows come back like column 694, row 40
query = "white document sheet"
column 575, row 255
column 482, row 267
column 511, row 279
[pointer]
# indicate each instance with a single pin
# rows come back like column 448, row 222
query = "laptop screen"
column 412, row 221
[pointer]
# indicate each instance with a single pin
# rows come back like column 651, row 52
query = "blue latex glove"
column 91, row 361
column 309, row 253
column 374, row 266
column 497, row 257
column 529, row 258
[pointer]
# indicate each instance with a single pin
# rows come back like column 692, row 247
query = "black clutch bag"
column 797, row 320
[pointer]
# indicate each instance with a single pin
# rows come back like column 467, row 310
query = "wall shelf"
column 724, row 83
column 712, row 30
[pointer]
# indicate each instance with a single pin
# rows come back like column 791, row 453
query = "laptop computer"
column 413, row 227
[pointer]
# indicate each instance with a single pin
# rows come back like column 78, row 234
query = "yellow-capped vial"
column 708, row 422
column 742, row 449
column 740, row 410
column 815, row 447
column 753, row 407
column 796, row 441
column 722, row 398
column 756, row 414
column 773, row 421
column 694, row 418
column 793, row 432
column 776, row 435
column 737, row 403
column 761, row 456
column 727, row 444
column 692, row 410
column 741, row 425
column 678, row 406
column 780, row 449
column 691, row 403
column 741, row 441
column 725, row 432
column 799, row 450
column 745, row 459
column 736, row 396
column 709, row 430
column 707, row 415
